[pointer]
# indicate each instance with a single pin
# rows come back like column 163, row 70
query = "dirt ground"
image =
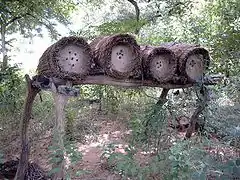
column 95, row 167
column 110, row 132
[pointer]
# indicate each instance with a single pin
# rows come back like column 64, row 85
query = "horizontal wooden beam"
column 42, row 82
column 106, row 80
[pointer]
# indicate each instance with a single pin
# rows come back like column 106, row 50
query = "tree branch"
column 13, row 20
column 137, row 11
column 134, row 3
column 47, row 25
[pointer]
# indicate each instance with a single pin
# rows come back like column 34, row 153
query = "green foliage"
column 121, row 26
column 11, row 90
column 57, row 155
column 70, row 117
column 214, row 24
column 123, row 164
column 110, row 98
column 25, row 16
column 148, row 127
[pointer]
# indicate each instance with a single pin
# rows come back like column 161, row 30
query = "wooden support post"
column 163, row 97
column 162, row 100
column 60, row 101
column 23, row 162
column 201, row 105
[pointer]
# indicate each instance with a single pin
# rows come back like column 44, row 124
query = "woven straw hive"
column 158, row 63
column 193, row 60
column 69, row 58
column 118, row 55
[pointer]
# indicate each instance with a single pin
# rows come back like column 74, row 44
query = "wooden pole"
column 161, row 101
column 60, row 101
column 201, row 106
column 163, row 97
column 23, row 162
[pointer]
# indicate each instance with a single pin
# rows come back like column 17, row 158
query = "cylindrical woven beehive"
column 118, row 55
column 69, row 58
column 193, row 60
column 158, row 63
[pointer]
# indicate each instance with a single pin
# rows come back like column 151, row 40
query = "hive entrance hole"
column 121, row 58
column 160, row 66
column 194, row 66
column 72, row 59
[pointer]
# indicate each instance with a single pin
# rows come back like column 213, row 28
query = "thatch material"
column 193, row 60
column 118, row 55
column 69, row 58
column 158, row 63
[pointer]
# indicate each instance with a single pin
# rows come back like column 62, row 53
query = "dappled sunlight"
column 225, row 102
column 153, row 89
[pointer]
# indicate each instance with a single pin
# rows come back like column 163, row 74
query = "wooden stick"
column 23, row 162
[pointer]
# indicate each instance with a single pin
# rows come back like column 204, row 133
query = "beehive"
column 193, row 60
column 118, row 55
column 158, row 63
column 69, row 58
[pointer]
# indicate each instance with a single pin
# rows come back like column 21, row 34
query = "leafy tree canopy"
column 24, row 16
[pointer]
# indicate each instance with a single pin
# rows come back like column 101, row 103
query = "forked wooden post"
column 201, row 106
column 161, row 101
column 23, row 162
column 60, row 101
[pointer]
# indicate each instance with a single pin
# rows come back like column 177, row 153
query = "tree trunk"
column 3, row 47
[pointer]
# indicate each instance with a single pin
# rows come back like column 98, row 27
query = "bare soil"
column 94, row 166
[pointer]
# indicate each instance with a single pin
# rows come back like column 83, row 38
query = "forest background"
column 28, row 27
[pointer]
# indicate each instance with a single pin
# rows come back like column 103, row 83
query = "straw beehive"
column 158, row 63
column 69, row 58
column 193, row 60
column 118, row 55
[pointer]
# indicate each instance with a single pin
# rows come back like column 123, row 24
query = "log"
column 118, row 55
column 193, row 61
column 69, row 58
column 158, row 63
